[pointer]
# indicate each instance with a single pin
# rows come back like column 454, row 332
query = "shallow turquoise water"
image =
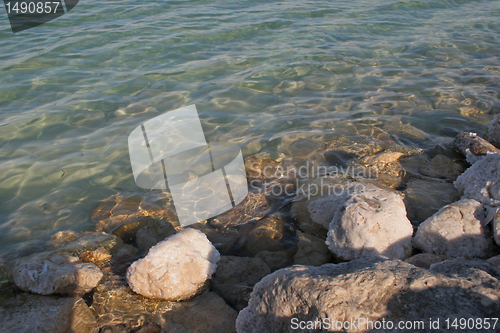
column 271, row 76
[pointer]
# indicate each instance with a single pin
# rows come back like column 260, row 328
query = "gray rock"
column 176, row 268
column 207, row 313
column 58, row 274
column 372, row 222
column 496, row 227
column 372, row 289
column 312, row 250
column 473, row 146
column 495, row 260
column 456, row 230
column 465, row 267
column 425, row 260
column 276, row 259
column 153, row 233
column 493, row 134
column 28, row 313
column 235, row 277
column 481, row 181
column 424, row 197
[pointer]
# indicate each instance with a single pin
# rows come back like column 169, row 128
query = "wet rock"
column 84, row 244
column 276, row 259
column 473, row 146
column 153, row 233
column 371, row 222
column 176, row 268
column 269, row 234
column 338, row 157
column 441, row 166
column 495, row 260
column 493, row 134
column 224, row 239
column 456, row 230
column 424, row 197
column 235, row 277
column 465, row 267
column 312, row 250
column 36, row 314
column 425, row 260
column 123, row 215
column 373, row 289
column 261, row 170
column 481, row 181
column 57, row 274
column 207, row 313
column 386, row 168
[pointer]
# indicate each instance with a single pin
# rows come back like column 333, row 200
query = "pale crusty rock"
column 493, row 134
column 235, row 277
column 456, row 230
column 371, row 222
column 473, row 147
column 373, row 289
column 481, row 181
column 29, row 313
column 425, row 260
column 176, row 268
column 311, row 250
column 59, row 274
column 462, row 266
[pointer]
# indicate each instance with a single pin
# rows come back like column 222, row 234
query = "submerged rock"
column 276, row 259
column 371, row 222
column 312, row 250
column 493, row 134
column 235, row 277
column 473, row 147
column 28, row 313
column 153, row 233
column 369, row 289
column 58, row 274
column 176, row 268
column 424, row 197
column 456, row 230
column 481, row 181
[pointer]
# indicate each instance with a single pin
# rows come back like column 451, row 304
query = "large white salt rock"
column 456, row 230
column 481, row 181
column 176, row 268
column 370, row 223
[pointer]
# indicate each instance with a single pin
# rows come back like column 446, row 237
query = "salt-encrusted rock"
column 424, row 197
column 235, row 277
column 473, row 147
column 371, row 222
column 496, row 227
column 369, row 289
column 176, row 268
column 425, row 260
column 28, row 313
column 493, row 134
column 312, row 250
column 59, row 274
column 456, row 230
column 481, row 181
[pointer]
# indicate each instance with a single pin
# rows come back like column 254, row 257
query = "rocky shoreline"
column 369, row 230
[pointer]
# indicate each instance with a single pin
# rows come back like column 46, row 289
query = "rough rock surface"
column 28, row 313
column 59, row 274
column 495, row 260
column 424, row 197
column 463, row 266
column 493, row 134
column 496, row 227
column 276, row 259
column 153, row 233
column 473, row 146
column 373, row 289
column 481, row 181
column 425, row 260
column 456, row 230
column 371, row 222
column 312, row 250
column 235, row 277
column 176, row 268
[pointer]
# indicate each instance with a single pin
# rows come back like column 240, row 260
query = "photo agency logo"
column 27, row 14
column 170, row 152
